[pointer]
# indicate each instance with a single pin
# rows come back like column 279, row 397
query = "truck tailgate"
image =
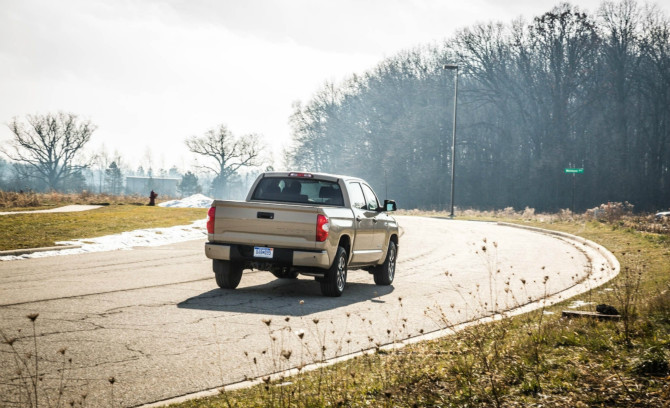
column 265, row 224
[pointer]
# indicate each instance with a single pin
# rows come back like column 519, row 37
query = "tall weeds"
column 626, row 292
column 33, row 386
column 26, row 363
column 11, row 199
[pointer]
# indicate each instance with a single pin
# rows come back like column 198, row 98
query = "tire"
column 385, row 272
column 228, row 274
column 285, row 273
column 335, row 279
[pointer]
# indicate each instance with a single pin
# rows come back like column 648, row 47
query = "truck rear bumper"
column 217, row 251
column 311, row 259
column 281, row 257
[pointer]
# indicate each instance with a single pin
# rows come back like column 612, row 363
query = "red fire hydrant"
column 152, row 198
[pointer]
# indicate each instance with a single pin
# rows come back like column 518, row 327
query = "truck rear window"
column 298, row 190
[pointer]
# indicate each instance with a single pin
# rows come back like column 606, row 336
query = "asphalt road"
column 155, row 321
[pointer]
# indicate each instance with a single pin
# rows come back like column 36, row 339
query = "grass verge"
column 19, row 231
column 536, row 359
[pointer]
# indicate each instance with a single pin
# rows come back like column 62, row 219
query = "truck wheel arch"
column 345, row 242
column 393, row 238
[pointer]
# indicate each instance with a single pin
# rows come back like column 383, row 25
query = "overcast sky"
column 151, row 73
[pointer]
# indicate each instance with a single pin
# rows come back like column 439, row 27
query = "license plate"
column 263, row 252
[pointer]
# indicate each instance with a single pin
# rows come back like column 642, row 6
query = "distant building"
column 143, row 186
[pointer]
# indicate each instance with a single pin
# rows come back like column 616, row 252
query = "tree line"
column 565, row 90
column 47, row 154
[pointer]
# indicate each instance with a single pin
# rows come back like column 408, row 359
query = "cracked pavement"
column 155, row 321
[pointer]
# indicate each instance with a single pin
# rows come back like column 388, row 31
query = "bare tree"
column 226, row 153
column 49, row 144
column 98, row 163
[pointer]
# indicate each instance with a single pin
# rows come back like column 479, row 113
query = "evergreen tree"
column 189, row 185
column 113, row 179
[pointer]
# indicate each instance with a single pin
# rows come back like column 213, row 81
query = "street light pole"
column 453, row 137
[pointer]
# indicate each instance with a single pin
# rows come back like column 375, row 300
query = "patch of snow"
column 579, row 303
column 194, row 201
column 67, row 208
column 125, row 240
column 143, row 237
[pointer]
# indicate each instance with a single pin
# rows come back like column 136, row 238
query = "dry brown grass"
column 618, row 215
column 11, row 201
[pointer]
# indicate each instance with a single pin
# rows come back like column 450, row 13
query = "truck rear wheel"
column 385, row 272
column 332, row 283
column 228, row 274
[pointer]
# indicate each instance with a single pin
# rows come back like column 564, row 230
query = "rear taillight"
column 211, row 214
column 322, row 228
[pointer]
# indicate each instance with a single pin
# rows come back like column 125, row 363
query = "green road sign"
column 574, row 171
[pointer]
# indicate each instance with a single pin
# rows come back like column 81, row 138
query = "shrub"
column 610, row 212
column 10, row 199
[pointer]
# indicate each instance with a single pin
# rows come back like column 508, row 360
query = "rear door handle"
column 266, row 215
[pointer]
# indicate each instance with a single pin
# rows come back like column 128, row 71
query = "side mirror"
column 389, row 205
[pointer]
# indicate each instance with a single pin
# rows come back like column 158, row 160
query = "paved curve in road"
column 154, row 319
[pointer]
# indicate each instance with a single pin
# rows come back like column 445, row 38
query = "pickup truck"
column 309, row 224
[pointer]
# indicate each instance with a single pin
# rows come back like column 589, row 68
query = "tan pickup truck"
column 311, row 224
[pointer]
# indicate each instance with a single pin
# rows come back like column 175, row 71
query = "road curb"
column 611, row 259
column 17, row 252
